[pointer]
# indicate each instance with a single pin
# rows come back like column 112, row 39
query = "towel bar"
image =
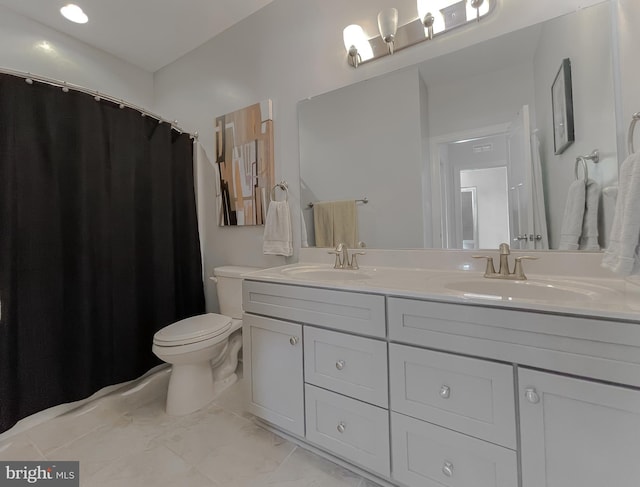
column 632, row 126
column 364, row 201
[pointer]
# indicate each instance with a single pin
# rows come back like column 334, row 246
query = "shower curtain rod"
column 30, row 78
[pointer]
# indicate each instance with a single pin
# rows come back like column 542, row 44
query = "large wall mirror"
column 458, row 151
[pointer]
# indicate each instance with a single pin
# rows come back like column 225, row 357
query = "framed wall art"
column 562, row 108
column 244, row 163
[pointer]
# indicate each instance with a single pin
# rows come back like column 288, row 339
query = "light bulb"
column 355, row 39
column 74, row 14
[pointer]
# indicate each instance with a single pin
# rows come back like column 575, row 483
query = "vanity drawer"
column 341, row 310
column 351, row 429
column 348, row 364
column 425, row 455
column 473, row 396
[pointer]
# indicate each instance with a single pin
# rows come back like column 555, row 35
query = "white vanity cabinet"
column 425, row 393
column 576, row 432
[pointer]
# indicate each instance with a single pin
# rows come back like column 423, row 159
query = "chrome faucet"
column 503, row 269
column 343, row 260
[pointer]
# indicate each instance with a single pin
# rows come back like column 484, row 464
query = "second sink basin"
column 533, row 289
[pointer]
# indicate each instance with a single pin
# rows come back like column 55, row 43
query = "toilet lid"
column 194, row 329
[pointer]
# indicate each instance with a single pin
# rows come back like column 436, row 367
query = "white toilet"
column 203, row 349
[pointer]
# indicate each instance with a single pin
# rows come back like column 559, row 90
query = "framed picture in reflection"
column 562, row 108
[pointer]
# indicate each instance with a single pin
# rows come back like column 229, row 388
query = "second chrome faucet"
column 343, row 259
column 503, row 269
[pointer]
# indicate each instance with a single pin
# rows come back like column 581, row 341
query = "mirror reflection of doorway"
column 476, row 193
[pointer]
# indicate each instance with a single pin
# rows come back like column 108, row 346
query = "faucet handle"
column 490, row 270
column 519, row 271
column 338, row 263
column 354, row 260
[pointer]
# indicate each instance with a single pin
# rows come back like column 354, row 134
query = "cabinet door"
column 273, row 369
column 578, row 433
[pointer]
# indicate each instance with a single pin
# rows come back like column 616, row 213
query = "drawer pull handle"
column 293, row 340
column 447, row 469
column 341, row 427
column 445, row 392
column 531, row 395
column 340, row 364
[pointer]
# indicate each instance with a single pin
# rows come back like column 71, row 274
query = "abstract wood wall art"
column 244, row 160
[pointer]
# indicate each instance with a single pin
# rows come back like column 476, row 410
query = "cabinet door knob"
column 340, row 364
column 293, row 340
column 531, row 395
column 341, row 427
column 445, row 392
column 447, row 469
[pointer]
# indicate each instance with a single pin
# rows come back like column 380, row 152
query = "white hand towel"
column 589, row 237
column 622, row 256
column 573, row 216
column 277, row 230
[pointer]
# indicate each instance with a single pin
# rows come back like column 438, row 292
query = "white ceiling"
column 147, row 33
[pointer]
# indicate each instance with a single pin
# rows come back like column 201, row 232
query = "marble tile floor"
column 125, row 439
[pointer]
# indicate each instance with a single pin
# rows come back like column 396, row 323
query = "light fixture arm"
column 477, row 4
column 354, row 57
column 428, row 22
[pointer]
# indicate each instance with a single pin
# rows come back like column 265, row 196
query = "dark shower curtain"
column 98, row 244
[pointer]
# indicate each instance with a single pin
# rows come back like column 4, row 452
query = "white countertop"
column 606, row 298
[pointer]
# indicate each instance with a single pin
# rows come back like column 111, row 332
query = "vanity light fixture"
column 74, row 13
column 434, row 17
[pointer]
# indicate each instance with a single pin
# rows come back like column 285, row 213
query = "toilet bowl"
column 203, row 350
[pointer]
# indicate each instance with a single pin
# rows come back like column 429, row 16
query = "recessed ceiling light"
column 74, row 14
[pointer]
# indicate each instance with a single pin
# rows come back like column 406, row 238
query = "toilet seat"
column 193, row 330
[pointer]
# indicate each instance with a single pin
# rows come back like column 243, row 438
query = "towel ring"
column 284, row 187
column 585, row 170
column 634, row 119
column 594, row 156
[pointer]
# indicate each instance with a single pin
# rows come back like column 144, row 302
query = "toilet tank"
column 229, row 288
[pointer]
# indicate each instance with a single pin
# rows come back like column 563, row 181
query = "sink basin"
column 533, row 289
column 325, row 273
